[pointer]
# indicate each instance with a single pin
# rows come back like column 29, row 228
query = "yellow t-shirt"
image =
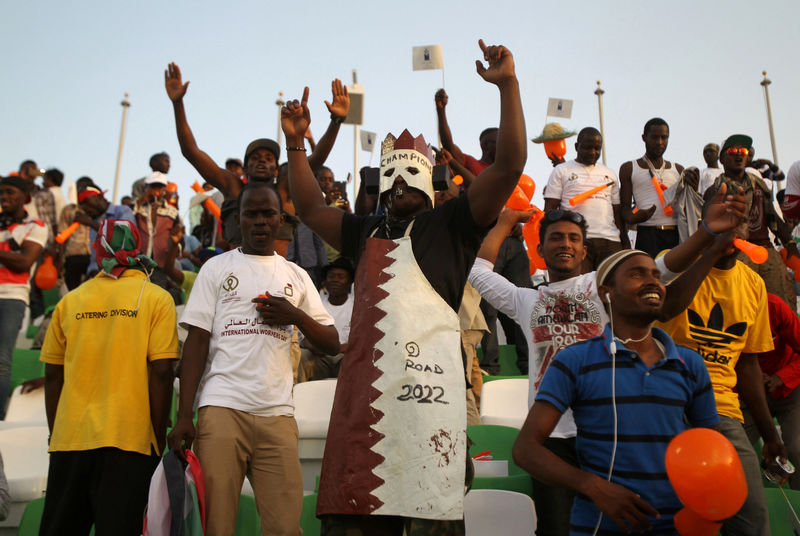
column 104, row 344
column 727, row 317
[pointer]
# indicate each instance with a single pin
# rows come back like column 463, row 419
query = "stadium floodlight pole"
column 355, row 148
column 125, row 105
column 599, row 92
column 765, row 84
column 280, row 102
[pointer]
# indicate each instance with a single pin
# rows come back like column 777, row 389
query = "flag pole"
column 356, row 176
column 599, row 92
column 765, row 84
column 279, row 103
column 125, row 105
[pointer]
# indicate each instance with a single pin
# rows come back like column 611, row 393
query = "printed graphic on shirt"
column 558, row 321
column 712, row 334
column 229, row 284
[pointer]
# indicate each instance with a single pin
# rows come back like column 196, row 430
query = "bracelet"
column 296, row 149
column 712, row 233
column 336, row 119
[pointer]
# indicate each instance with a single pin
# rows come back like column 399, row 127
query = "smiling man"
column 568, row 309
column 623, row 430
column 605, row 231
column 237, row 361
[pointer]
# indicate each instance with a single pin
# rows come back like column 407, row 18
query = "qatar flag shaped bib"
column 396, row 442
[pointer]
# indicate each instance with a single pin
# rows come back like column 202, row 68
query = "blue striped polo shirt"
column 653, row 404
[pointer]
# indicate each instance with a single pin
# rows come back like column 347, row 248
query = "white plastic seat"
column 505, row 402
column 313, row 402
column 28, row 407
column 494, row 511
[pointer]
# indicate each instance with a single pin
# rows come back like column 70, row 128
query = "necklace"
column 626, row 341
column 658, row 174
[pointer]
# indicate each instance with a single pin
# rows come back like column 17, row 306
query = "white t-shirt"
column 552, row 317
column 793, row 179
column 707, row 177
column 645, row 195
column 341, row 316
column 17, row 285
column 572, row 178
column 249, row 367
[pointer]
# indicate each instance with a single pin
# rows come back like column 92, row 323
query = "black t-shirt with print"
column 445, row 242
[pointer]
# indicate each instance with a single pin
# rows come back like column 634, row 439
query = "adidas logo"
column 713, row 334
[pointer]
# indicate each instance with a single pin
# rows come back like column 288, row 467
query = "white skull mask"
column 414, row 167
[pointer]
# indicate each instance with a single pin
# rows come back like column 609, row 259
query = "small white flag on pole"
column 427, row 57
column 559, row 108
column 367, row 141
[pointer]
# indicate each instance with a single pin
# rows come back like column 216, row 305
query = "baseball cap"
column 263, row 143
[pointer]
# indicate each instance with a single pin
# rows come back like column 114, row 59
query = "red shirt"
column 474, row 166
column 784, row 360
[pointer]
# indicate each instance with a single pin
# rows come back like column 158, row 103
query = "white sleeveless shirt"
column 645, row 195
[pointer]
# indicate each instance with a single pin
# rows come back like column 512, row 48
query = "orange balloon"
column 555, row 147
column 793, row 263
column 688, row 523
column 47, row 275
column 527, row 185
column 530, row 232
column 706, row 473
column 518, row 200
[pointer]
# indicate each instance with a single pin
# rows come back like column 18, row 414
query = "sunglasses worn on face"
column 561, row 215
column 732, row 151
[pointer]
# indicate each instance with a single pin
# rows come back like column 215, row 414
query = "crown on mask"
column 407, row 141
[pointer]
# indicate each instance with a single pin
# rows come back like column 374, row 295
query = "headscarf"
column 117, row 248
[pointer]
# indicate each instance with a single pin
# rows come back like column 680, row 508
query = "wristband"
column 709, row 231
column 296, row 149
column 336, row 119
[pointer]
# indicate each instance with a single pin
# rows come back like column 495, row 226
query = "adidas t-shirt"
column 727, row 317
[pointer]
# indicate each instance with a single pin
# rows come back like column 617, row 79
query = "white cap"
column 156, row 177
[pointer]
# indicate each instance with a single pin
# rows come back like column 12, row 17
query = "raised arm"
column 223, row 180
column 493, row 186
column 458, row 168
column 338, row 107
column 495, row 237
column 722, row 215
column 444, row 128
column 303, row 187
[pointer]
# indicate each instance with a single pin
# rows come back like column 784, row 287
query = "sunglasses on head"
column 732, row 151
column 564, row 215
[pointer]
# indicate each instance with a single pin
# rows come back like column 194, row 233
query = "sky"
column 697, row 64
